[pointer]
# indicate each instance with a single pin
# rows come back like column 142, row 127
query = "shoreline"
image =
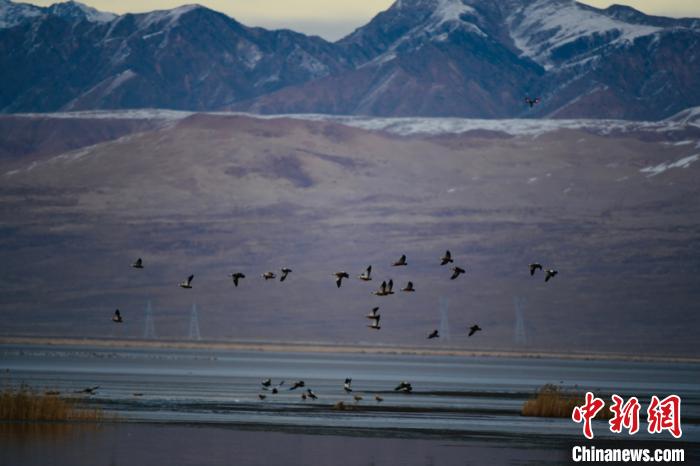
column 324, row 348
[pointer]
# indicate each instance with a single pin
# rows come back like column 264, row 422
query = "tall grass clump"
column 24, row 404
column 552, row 401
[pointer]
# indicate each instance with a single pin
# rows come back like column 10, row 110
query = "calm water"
column 459, row 405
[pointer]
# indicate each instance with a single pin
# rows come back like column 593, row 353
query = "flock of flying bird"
column 385, row 289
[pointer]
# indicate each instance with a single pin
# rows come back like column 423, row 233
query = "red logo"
column 661, row 415
column 587, row 412
column 626, row 415
column 665, row 415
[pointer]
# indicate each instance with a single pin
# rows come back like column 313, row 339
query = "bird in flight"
column 390, row 287
column 285, row 271
column 365, row 276
column 296, row 385
column 266, row 382
column 456, row 272
column 261, row 396
column 532, row 102
column 374, row 317
column 403, row 387
column 89, row 390
column 382, row 290
column 473, row 329
column 408, row 287
column 138, row 264
column 433, row 334
column 269, row 275
column 446, row 259
column 339, row 277
column 346, row 385
column 401, row 261
column 551, row 273
column 117, row 317
column 187, row 283
column 311, row 394
column 534, row 266
column 236, row 276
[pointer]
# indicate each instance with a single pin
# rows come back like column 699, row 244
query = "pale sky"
column 333, row 19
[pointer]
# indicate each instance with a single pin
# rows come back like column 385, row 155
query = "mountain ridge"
column 465, row 58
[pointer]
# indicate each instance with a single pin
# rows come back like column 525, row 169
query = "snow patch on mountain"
column 685, row 162
column 12, row 14
column 78, row 10
column 407, row 126
column 545, row 25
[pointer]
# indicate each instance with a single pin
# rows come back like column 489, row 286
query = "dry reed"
column 24, row 404
column 553, row 401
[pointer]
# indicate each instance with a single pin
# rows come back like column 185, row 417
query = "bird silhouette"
column 456, row 272
column 117, row 317
column 285, row 271
column 374, row 317
column 408, row 287
column 311, row 394
column 534, row 266
column 375, row 324
column 187, row 283
column 382, row 290
column 339, row 278
column 268, row 275
column 433, row 334
column 366, row 275
column 138, row 264
column 532, row 102
column 236, row 276
column 357, row 398
column 88, row 390
column 346, row 385
column 378, row 398
column 390, row 287
column 298, row 384
column 446, row 259
column 403, row 387
column 266, row 382
column 551, row 273
column 261, row 396
column 401, row 261
column 473, row 329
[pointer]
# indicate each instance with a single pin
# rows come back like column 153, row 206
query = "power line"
column 194, row 324
column 149, row 331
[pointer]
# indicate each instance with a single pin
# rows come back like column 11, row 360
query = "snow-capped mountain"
column 186, row 58
column 469, row 58
column 12, row 14
column 481, row 58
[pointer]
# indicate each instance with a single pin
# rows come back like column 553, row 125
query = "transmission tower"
column 520, row 337
column 149, row 331
column 444, row 319
column 194, row 324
